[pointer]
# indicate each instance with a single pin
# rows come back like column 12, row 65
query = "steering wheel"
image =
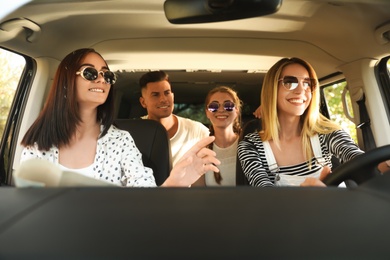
column 361, row 168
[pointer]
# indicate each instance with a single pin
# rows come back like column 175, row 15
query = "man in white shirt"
column 158, row 99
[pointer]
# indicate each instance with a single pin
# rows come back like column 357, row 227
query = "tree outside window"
column 11, row 66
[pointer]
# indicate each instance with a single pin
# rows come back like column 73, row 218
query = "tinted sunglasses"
column 292, row 82
column 91, row 74
column 227, row 105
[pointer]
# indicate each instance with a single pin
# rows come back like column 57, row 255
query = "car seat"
column 152, row 140
column 249, row 127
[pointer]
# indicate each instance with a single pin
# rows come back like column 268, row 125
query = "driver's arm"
column 384, row 166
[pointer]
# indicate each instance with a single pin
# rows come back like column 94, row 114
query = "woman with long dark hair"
column 74, row 130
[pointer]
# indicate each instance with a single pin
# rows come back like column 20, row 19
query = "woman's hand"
column 310, row 181
column 194, row 163
column 257, row 112
column 384, row 166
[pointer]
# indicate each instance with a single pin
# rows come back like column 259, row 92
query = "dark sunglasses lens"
column 290, row 80
column 228, row 106
column 213, row 107
column 90, row 74
column 109, row 77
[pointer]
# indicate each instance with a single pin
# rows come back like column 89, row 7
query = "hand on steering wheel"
column 360, row 169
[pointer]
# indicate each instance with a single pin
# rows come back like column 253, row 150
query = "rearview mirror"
column 205, row 11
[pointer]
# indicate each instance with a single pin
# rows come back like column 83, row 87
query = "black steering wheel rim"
column 361, row 168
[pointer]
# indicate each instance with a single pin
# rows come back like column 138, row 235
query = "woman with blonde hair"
column 296, row 141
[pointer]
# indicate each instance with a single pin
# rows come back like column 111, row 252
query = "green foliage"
column 193, row 111
column 333, row 95
column 11, row 66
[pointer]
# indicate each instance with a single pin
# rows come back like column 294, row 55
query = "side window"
column 334, row 97
column 383, row 76
column 12, row 66
column 388, row 83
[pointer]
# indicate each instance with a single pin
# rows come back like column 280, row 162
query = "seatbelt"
column 365, row 126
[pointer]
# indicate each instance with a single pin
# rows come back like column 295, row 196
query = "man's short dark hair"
column 153, row 76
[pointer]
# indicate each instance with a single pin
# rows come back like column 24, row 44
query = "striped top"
column 254, row 164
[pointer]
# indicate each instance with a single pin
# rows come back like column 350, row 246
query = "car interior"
column 201, row 44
